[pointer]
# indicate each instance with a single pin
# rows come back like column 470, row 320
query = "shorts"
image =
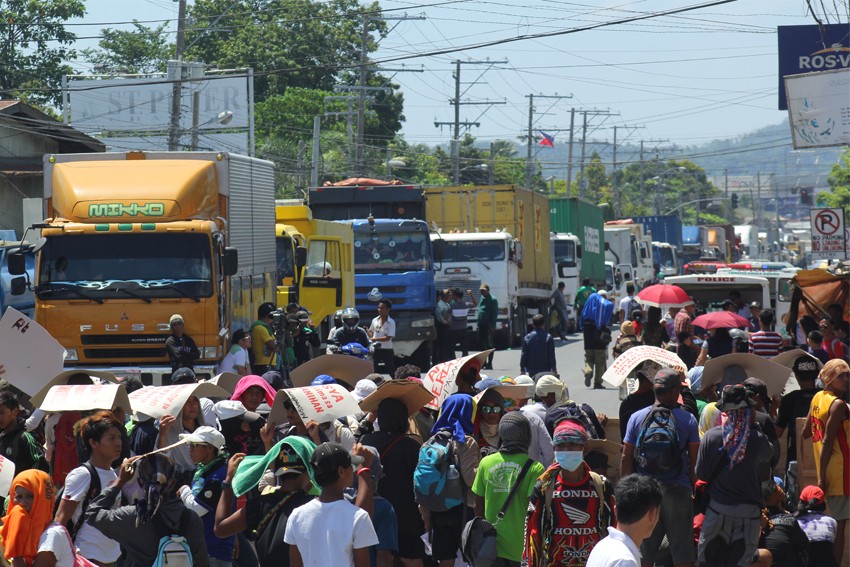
column 838, row 507
column 446, row 529
column 676, row 504
column 730, row 535
column 410, row 546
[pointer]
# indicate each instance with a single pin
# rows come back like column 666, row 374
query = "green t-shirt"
column 496, row 475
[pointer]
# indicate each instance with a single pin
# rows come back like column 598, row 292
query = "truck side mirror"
column 578, row 251
column 300, row 256
column 231, row 261
column 19, row 285
column 17, row 263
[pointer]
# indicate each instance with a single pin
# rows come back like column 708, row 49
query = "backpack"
column 570, row 410
column 173, row 549
column 436, row 479
column 94, row 489
column 633, row 306
column 13, row 445
column 65, row 456
column 658, row 452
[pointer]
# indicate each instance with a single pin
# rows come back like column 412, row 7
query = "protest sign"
column 440, row 380
column 85, row 398
column 63, row 377
column 630, row 359
column 7, row 475
column 317, row 403
column 29, row 355
column 157, row 401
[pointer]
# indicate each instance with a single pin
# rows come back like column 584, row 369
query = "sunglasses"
column 491, row 409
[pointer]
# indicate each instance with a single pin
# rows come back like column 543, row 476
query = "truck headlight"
column 71, row 355
column 209, row 352
column 420, row 323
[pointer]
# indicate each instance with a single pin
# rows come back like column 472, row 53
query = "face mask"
column 569, row 460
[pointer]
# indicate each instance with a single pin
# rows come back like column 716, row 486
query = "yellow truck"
column 315, row 260
column 133, row 238
column 498, row 235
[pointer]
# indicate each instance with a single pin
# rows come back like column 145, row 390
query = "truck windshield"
column 565, row 252
column 469, row 250
column 664, row 257
column 285, row 258
column 112, row 266
column 385, row 252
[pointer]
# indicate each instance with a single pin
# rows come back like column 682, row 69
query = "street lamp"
column 391, row 163
column 224, row 118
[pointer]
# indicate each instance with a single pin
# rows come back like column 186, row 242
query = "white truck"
column 628, row 256
column 566, row 267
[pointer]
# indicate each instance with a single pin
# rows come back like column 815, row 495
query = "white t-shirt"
column 624, row 305
column 55, row 539
column 237, row 356
column 379, row 329
column 90, row 541
column 616, row 550
column 328, row 533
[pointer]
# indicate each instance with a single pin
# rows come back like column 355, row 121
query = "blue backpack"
column 658, row 452
column 436, row 479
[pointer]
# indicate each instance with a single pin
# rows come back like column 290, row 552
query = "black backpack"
column 92, row 493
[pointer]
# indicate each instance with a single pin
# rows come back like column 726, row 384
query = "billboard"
column 808, row 49
column 819, row 108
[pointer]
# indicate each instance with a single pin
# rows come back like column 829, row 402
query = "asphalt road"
column 570, row 359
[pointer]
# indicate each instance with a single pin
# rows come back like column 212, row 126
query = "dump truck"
column 498, row 235
column 315, row 261
column 132, row 238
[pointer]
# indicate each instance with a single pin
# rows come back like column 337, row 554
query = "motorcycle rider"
column 350, row 331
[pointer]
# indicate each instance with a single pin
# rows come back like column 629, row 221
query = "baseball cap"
column 734, row 397
column 291, row 463
column 666, row 379
column 322, row 379
column 229, row 409
column 755, row 386
column 205, row 434
column 303, row 315
column 363, row 388
column 812, row 495
column 805, row 368
column 327, row 458
column 755, row 304
column 484, row 287
column 176, row 318
column 482, row 385
column 183, row 376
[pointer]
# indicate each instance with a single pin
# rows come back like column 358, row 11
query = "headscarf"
column 550, row 384
column 570, row 431
column 21, row 529
column 156, row 479
column 252, row 467
column 490, row 432
column 736, row 425
column 392, row 416
column 515, row 432
column 253, row 380
column 597, row 309
column 832, row 370
column 456, row 415
column 695, row 378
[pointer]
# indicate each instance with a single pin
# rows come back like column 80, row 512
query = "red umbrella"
column 664, row 295
column 720, row 320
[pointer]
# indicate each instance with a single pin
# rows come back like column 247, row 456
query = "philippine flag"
column 546, row 139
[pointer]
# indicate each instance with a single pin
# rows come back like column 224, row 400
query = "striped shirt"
column 766, row 344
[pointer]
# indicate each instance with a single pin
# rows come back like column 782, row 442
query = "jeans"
column 458, row 336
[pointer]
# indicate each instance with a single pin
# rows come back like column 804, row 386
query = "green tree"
column 142, row 50
column 839, row 186
column 35, row 46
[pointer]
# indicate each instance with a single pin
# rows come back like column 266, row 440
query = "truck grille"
column 131, row 353
column 123, row 339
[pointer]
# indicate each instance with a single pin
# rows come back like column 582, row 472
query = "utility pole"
column 570, row 153
column 585, row 113
column 456, row 102
column 177, row 87
column 314, row 173
column 529, row 164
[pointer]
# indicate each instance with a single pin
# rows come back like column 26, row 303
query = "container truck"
column 392, row 257
column 578, row 246
column 666, row 234
column 133, row 238
column 315, row 261
column 498, row 235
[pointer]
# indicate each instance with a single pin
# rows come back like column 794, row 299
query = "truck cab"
column 667, row 258
column 16, row 294
column 566, row 267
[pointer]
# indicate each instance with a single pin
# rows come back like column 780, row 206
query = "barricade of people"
column 484, row 471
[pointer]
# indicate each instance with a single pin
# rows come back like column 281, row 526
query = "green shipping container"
column 583, row 219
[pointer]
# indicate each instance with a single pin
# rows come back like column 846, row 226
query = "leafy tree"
column 839, row 185
column 142, row 50
column 34, row 47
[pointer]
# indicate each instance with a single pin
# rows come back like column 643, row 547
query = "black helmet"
column 350, row 318
column 338, row 318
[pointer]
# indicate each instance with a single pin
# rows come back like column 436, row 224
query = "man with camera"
column 304, row 336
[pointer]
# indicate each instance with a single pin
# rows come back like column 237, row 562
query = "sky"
column 710, row 73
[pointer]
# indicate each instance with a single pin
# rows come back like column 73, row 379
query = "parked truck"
column 578, row 246
column 315, row 261
column 132, row 238
column 666, row 234
column 392, row 256
column 498, row 235
column 21, row 299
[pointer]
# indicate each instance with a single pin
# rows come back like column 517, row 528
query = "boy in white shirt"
column 638, row 499
column 330, row 530
column 236, row 359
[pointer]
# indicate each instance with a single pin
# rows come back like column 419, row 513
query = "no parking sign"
column 828, row 236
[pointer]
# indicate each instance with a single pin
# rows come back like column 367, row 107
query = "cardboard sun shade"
column 348, row 369
column 85, row 398
column 315, row 403
column 157, row 401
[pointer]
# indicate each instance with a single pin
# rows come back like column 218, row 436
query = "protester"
column 170, row 427
column 570, row 508
column 671, row 461
column 627, row 304
column 101, row 434
column 766, row 342
column 263, row 343
column 381, row 332
column 783, row 538
column 442, row 324
column 638, row 499
column 498, row 474
column 538, row 349
column 687, row 349
column 350, row 332
column 459, row 323
column 329, row 530
column 682, row 321
column 595, row 318
column 181, row 349
column 819, row 528
column 627, row 339
column 555, row 404
column 585, row 291
column 796, row 404
column 305, row 338
column 487, row 317
column 559, row 304
column 734, row 459
column 757, row 390
column 489, row 411
column 30, row 536
column 828, row 424
column 237, row 359
column 654, row 331
column 642, row 397
column 814, row 346
column 16, row 444
column 755, row 317
column 831, row 343
column 138, row 527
